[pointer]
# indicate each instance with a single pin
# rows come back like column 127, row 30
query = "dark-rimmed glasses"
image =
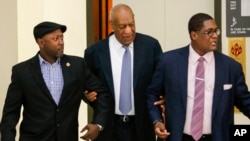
column 211, row 32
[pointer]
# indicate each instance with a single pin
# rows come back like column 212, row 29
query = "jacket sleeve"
column 11, row 109
column 103, row 106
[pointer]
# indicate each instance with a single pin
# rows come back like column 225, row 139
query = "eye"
column 131, row 25
column 55, row 38
column 121, row 26
column 209, row 32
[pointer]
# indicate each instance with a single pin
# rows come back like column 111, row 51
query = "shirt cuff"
column 100, row 127
column 158, row 120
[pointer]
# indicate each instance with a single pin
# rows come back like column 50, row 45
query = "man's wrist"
column 100, row 127
column 158, row 120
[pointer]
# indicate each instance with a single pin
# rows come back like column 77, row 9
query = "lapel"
column 67, row 76
column 219, row 73
column 182, row 64
column 104, row 57
column 138, row 59
column 38, row 78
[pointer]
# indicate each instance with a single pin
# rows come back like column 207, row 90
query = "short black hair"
column 196, row 21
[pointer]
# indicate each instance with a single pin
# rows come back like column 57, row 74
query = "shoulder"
column 176, row 52
column 99, row 44
column 145, row 37
column 226, row 59
column 72, row 58
column 147, row 42
column 24, row 64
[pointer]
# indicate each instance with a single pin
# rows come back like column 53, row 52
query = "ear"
column 111, row 24
column 193, row 35
column 40, row 42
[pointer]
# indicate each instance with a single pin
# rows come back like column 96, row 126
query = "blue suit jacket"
column 147, row 51
column 171, row 78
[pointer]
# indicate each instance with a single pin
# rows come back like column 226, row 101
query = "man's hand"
column 92, row 132
column 160, row 102
column 160, row 130
column 91, row 96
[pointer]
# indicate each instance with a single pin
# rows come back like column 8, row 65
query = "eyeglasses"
column 211, row 32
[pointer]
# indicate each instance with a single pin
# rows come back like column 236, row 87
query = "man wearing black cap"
column 50, row 88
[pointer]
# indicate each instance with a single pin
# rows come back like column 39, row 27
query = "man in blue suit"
column 105, row 59
column 224, row 87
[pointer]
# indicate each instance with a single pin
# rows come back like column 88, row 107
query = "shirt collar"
column 41, row 60
column 195, row 56
column 118, row 44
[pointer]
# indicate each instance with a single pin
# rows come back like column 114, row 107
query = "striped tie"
column 198, row 108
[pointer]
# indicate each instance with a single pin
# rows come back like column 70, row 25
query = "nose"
column 61, row 41
column 128, row 29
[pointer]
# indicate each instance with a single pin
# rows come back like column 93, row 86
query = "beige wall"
column 72, row 14
column 8, row 44
column 164, row 19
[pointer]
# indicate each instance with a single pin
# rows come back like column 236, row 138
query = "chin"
column 60, row 55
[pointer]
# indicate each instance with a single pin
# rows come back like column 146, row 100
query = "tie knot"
column 201, row 59
column 125, row 47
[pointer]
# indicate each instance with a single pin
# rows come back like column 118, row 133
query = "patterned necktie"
column 198, row 108
column 125, row 89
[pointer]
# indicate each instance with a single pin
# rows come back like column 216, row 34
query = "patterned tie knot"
column 200, row 68
column 201, row 59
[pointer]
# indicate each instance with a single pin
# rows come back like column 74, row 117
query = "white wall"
column 72, row 14
column 8, row 44
column 165, row 20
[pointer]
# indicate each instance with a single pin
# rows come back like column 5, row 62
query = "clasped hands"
column 92, row 130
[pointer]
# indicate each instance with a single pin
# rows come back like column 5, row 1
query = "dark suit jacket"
column 146, row 53
column 171, row 76
column 42, row 119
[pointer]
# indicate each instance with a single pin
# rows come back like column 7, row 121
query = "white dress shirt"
column 116, row 55
column 209, row 65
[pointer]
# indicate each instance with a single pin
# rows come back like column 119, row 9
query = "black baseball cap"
column 46, row 27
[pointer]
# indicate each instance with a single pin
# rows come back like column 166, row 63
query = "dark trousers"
column 186, row 137
column 124, row 130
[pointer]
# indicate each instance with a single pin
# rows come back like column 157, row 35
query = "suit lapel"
column 67, row 77
column 138, row 60
column 37, row 75
column 182, row 65
column 104, row 57
column 219, row 73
